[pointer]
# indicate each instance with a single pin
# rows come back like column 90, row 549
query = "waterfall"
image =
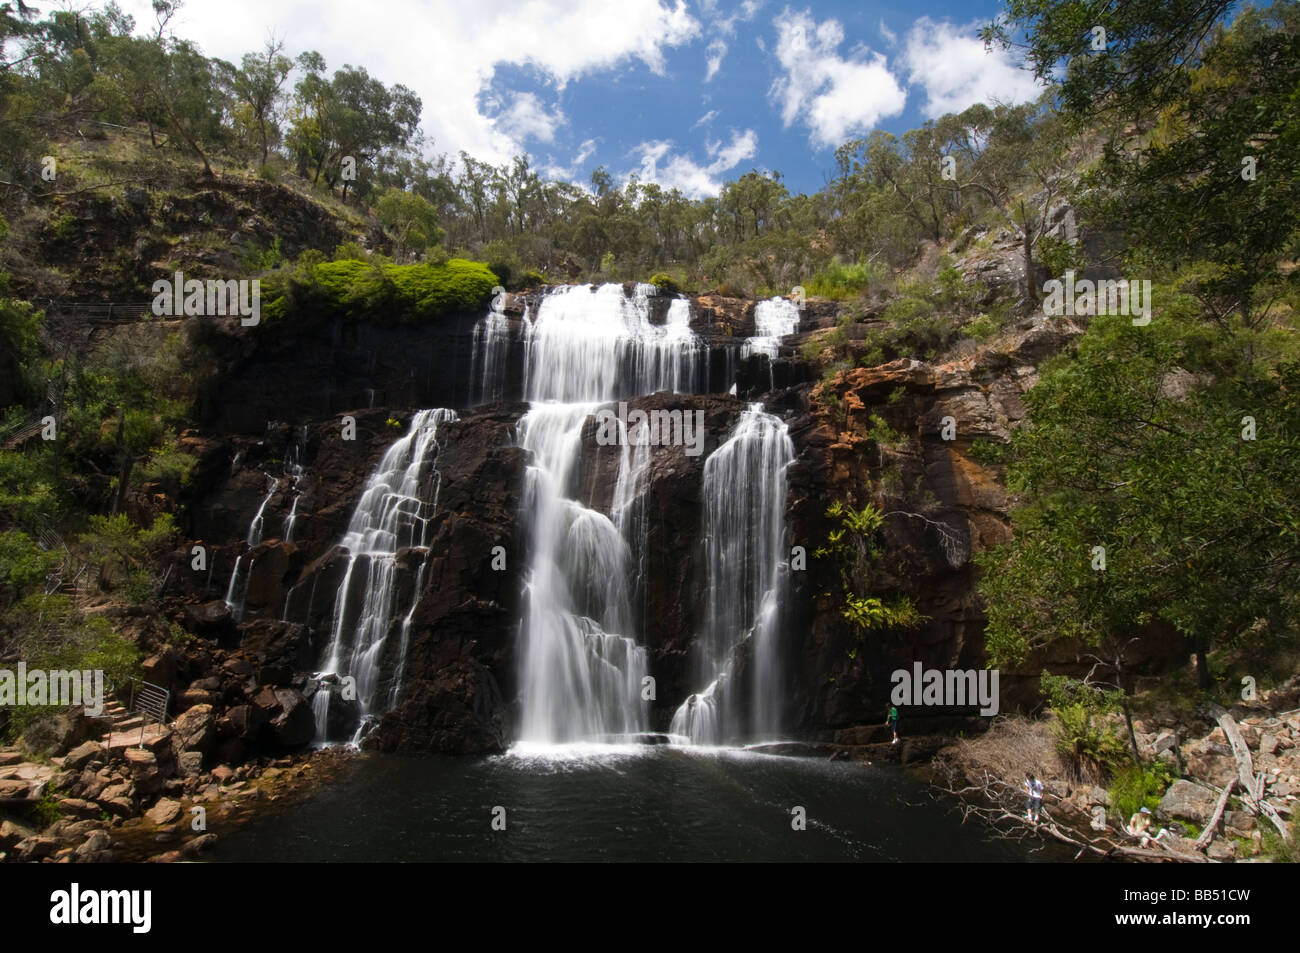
column 773, row 320
column 293, row 469
column 488, row 358
column 235, row 593
column 393, row 514
column 600, row 345
column 744, row 526
column 581, row 666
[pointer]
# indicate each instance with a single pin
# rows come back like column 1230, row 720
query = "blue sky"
column 688, row 94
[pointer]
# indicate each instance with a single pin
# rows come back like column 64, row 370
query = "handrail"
column 151, row 701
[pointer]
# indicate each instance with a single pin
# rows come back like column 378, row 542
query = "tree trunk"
column 1203, row 680
column 1132, row 737
column 1031, row 286
column 124, row 468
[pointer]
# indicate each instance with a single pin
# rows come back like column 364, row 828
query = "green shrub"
column 1083, row 737
column 981, row 329
column 1138, row 786
column 350, row 251
column 664, row 283
column 1059, row 256
column 839, row 281
column 381, row 291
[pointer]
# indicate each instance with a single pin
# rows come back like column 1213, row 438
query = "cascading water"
column 488, row 360
column 773, row 320
column 235, row 592
column 393, row 514
column 293, row 469
column 744, row 525
column 581, row 667
column 600, row 345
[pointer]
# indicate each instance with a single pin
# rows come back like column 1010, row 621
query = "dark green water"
column 633, row 804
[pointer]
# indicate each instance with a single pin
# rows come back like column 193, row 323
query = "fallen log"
column 1152, row 855
column 1240, row 751
column 1207, row 835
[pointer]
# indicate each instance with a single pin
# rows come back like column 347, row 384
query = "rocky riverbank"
column 141, row 794
column 1233, row 780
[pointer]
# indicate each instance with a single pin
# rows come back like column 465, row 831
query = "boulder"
column 57, row 734
column 161, row 669
column 1239, row 821
column 199, row 844
column 1218, row 769
column 211, row 620
column 164, row 812
column 11, row 834
column 1188, row 801
column 14, row 788
column 195, row 729
column 243, row 722
column 193, row 697
column 76, row 807
column 80, row 756
column 190, row 763
column 141, row 758
column 118, row 806
column 1165, row 741
column 1221, row 850
column 34, row 848
column 95, row 848
column 296, row 724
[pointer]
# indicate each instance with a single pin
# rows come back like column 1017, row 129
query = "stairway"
column 146, row 719
column 120, row 719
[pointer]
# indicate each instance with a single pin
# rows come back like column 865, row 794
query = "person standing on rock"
column 892, row 722
column 1034, row 806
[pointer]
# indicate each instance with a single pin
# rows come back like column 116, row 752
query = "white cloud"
column 585, row 151
column 658, row 163
column 890, row 36
column 952, row 66
column 741, row 14
column 526, row 118
column 571, row 172
column 704, row 120
column 722, row 26
column 716, row 51
column 836, row 96
column 449, row 51
column 743, row 146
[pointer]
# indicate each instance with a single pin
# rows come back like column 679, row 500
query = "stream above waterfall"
column 616, row 803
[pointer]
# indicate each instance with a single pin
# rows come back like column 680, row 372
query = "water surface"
column 607, row 803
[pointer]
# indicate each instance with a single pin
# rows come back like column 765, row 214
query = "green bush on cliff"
column 664, row 283
column 855, row 554
column 378, row 290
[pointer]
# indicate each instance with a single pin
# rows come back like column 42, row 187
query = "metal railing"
column 149, row 700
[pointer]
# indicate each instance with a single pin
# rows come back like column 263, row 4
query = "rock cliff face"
column 459, row 690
